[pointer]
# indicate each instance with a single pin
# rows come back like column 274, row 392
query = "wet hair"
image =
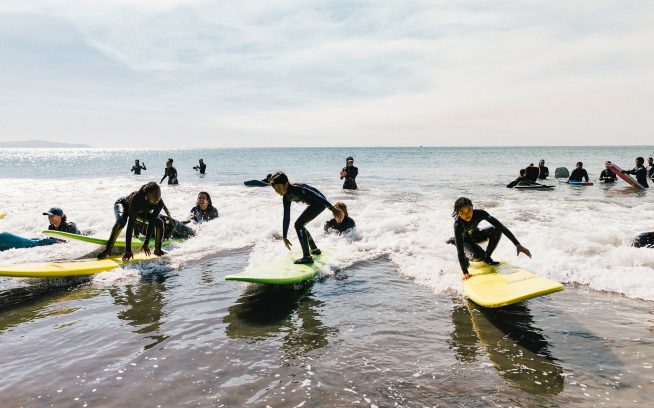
column 523, row 172
column 208, row 198
column 459, row 204
column 640, row 159
column 341, row 206
column 279, row 178
column 149, row 188
column 580, row 164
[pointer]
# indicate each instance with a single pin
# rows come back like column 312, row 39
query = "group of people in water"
column 530, row 175
column 170, row 171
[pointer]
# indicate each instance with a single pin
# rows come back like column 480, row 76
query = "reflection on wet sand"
column 145, row 302
column 517, row 349
column 269, row 311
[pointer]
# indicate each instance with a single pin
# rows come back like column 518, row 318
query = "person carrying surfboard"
column 146, row 204
column 639, row 171
column 467, row 235
column 317, row 203
column 578, row 173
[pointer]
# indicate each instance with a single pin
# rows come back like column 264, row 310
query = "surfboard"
column 256, row 183
column 2, row 215
column 505, row 284
column 136, row 242
column 281, row 271
column 533, row 187
column 577, row 183
column 618, row 172
column 61, row 269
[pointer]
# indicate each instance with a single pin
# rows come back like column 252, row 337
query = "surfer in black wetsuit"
column 170, row 172
column 343, row 226
column 578, row 173
column 58, row 221
column 467, row 235
column 650, row 168
column 639, row 171
column 204, row 209
column 267, row 179
column 201, row 167
column 532, row 172
column 317, row 204
column 137, row 167
column 349, row 173
column 522, row 180
column 144, row 204
column 607, row 175
column 543, row 172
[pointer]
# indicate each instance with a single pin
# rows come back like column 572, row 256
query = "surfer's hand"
column 338, row 214
column 128, row 255
column 159, row 252
column 146, row 250
column 287, row 243
column 520, row 248
column 466, row 276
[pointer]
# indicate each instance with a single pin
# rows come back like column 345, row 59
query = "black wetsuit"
column 522, row 180
column 650, row 172
column 607, row 176
column 351, row 174
column 532, row 173
column 342, row 227
column 198, row 216
column 317, row 203
column 202, row 167
column 137, row 169
column 641, row 175
column 171, row 173
column 578, row 174
column 69, row 227
column 467, row 236
column 543, row 172
column 135, row 208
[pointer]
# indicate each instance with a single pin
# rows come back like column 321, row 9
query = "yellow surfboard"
column 497, row 286
column 60, row 269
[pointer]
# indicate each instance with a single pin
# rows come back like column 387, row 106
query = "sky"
column 251, row 73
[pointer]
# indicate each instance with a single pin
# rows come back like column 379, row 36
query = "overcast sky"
column 184, row 73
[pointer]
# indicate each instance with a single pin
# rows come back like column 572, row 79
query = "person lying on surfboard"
column 639, row 171
column 578, row 173
column 467, row 235
column 146, row 204
column 344, row 225
column 607, row 175
column 317, row 203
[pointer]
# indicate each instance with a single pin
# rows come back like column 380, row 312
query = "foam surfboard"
column 281, row 271
column 505, row 284
column 533, row 187
column 618, row 172
column 136, row 242
column 256, row 183
column 62, row 269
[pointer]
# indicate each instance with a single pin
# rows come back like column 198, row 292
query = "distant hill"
column 38, row 144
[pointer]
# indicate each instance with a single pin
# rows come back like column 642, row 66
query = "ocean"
column 386, row 323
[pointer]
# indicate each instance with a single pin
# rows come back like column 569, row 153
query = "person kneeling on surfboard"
column 639, row 171
column 578, row 173
column 146, row 204
column 467, row 235
column 344, row 225
column 317, row 204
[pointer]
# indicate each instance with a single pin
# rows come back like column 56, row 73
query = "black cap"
column 55, row 211
column 349, row 159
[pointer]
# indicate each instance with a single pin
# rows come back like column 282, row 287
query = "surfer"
column 578, row 173
column 650, row 168
column 59, row 222
column 201, row 167
column 146, row 204
column 467, row 235
column 137, row 167
column 170, row 172
column 639, row 171
column 607, row 175
column 543, row 172
column 532, row 172
column 345, row 225
column 349, row 173
column 203, row 210
column 317, row 203
column 522, row 179
column 267, row 179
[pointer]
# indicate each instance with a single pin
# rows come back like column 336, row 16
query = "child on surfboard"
column 317, row 203
column 467, row 235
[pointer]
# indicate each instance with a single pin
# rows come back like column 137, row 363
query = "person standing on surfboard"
column 639, row 171
column 467, row 235
column 578, row 173
column 607, row 175
column 146, row 204
column 317, row 203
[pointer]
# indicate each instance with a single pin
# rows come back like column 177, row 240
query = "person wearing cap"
column 639, row 171
column 201, row 167
column 543, row 172
column 349, row 173
column 607, row 175
column 137, row 167
column 58, row 221
column 317, row 203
